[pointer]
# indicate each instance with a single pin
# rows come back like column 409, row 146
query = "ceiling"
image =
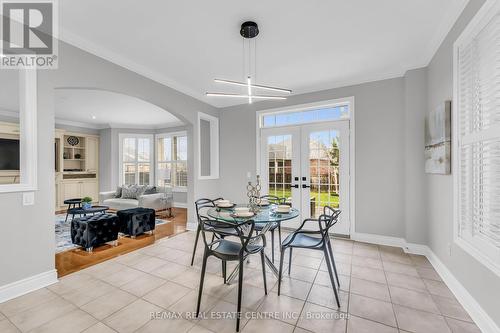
column 303, row 45
column 104, row 109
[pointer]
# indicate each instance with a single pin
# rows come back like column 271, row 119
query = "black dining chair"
column 314, row 240
column 260, row 225
column 243, row 245
column 201, row 205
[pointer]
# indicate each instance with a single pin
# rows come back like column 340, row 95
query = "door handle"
column 305, row 186
column 295, row 186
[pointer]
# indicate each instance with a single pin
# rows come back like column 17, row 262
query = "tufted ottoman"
column 92, row 231
column 135, row 221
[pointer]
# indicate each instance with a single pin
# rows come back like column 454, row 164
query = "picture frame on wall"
column 438, row 140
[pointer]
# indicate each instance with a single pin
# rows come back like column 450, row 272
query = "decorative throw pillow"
column 150, row 189
column 132, row 191
column 118, row 193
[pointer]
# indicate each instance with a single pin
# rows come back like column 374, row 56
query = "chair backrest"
column 273, row 199
column 329, row 218
column 242, row 230
column 202, row 204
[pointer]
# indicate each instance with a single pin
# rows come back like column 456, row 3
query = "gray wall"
column 481, row 283
column 29, row 250
column 415, row 99
column 379, row 119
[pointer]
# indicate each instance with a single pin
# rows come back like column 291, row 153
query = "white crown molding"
column 469, row 303
column 451, row 17
column 27, row 285
column 102, row 52
column 60, row 121
column 435, row 42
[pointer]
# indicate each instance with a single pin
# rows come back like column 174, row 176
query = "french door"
column 309, row 166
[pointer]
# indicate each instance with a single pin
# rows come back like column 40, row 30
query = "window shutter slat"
column 478, row 114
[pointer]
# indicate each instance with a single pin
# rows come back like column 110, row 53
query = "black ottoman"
column 135, row 221
column 92, row 231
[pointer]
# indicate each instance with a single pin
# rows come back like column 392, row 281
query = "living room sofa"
column 161, row 199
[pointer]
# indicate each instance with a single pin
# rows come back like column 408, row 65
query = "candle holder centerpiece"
column 253, row 194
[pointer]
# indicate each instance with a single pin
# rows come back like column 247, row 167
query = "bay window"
column 136, row 159
column 171, row 166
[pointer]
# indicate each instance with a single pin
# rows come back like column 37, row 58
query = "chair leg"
column 202, row 279
column 272, row 245
column 280, row 274
column 328, row 264
column 198, row 230
column 240, row 285
column 224, row 270
column 263, row 261
column 329, row 247
column 290, row 261
column 279, row 232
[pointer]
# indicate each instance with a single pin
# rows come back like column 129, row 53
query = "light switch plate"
column 28, row 198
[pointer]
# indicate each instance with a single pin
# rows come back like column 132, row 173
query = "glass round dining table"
column 266, row 214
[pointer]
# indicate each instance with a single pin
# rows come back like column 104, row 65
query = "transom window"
column 172, row 160
column 305, row 116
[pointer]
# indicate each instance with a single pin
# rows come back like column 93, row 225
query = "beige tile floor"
column 154, row 290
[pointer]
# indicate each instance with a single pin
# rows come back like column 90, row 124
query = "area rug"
column 63, row 232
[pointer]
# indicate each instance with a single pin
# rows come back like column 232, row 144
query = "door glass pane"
column 324, row 157
column 279, row 149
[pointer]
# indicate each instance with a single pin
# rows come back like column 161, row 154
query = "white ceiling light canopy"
column 249, row 30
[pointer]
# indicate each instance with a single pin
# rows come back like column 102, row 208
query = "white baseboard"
column 378, row 239
column 476, row 312
column 179, row 204
column 24, row 286
column 191, row 226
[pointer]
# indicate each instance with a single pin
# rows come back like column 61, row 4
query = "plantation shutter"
column 478, row 136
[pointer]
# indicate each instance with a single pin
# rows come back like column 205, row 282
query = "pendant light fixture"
column 249, row 30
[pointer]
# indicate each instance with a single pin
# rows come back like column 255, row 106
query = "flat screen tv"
column 9, row 154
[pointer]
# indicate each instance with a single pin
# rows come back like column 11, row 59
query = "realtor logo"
column 29, row 34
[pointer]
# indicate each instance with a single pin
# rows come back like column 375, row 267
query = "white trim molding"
column 179, row 204
column 468, row 302
column 27, row 285
column 28, row 133
column 214, row 145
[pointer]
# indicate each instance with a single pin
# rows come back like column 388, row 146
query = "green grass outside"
column 324, row 198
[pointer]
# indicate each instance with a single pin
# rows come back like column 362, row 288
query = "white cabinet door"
column 90, row 189
column 92, row 150
column 70, row 190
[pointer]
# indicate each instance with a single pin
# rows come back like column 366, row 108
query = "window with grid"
column 477, row 135
column 172, row 160
column 136, row 160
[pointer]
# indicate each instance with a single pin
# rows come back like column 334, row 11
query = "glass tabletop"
column 266, row 214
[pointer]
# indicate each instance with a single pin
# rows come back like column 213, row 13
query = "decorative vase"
column 87, row 205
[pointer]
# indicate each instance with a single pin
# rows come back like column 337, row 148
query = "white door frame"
column 352, row 156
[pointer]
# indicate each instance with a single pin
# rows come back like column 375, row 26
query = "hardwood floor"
column 74, row 260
